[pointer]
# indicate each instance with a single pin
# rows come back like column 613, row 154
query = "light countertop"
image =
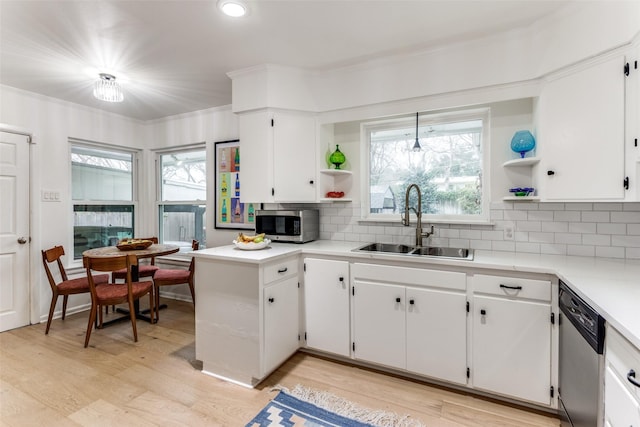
column 611, row 286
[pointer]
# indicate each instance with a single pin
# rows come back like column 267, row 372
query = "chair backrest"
column 155, row 242
column 49, row 256
column 109, row 264
column 194, row 246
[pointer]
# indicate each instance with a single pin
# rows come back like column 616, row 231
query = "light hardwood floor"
column 53, row 381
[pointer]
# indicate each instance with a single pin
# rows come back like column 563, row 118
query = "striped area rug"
column 307, row 407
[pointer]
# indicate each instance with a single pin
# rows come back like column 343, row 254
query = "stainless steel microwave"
column 296, row 226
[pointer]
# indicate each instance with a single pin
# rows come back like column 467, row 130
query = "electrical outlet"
column 509, row 230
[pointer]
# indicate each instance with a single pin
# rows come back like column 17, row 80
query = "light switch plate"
column 50, row 196
column 509, row 231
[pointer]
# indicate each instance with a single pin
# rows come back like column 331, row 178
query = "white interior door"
column 14, row 231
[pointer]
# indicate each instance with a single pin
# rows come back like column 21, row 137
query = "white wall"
column 503, row 62
column 52, row 122
column 210, row 126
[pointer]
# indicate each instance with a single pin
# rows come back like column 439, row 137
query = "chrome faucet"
column 405, row 221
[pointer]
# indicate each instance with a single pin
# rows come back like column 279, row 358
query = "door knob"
column 22, row 240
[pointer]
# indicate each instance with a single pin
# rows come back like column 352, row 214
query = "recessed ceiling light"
column 232, row 8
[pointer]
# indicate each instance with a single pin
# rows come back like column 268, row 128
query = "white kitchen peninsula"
column 246, row 311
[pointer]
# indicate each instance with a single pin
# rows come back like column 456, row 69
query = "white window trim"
column 135, row 154
column 483, row 114
column 200, row 146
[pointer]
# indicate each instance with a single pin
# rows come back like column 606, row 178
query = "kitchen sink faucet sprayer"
column 405, row 221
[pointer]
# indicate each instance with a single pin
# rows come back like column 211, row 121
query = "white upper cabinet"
column 580, row 133
column 278, row 156
column 632, row 136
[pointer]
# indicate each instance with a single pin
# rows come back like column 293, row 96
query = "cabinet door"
column 437, row 334
column 326, row 294
column 280, row 322
column 581, row 134
column 294, row 157
column 379, row 323
column 620, row 407
column 632, row 148
column 256, row 157
column 511, row 350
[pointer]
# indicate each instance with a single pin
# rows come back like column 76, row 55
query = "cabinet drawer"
column 281, row 269
column 622, row 357
column 512, row 287
column 410, row 276
column 621, row 409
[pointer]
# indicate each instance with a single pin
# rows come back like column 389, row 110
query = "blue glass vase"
column 522, row 142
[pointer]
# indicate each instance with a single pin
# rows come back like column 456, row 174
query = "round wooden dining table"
column 113, row 251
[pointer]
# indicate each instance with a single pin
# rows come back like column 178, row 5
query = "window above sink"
column 450, row 167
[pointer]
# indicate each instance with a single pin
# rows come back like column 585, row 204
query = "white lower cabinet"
column 379, row 334
column 326, row 311
column 410, row 319
column 280, row 322
column 247, row 317
column 512, row 338
column 436, row 334
column 621, row 395
column 436, row 324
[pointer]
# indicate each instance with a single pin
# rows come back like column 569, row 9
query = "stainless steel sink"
column 426, row 251
column 386, row 247
column 460, row 253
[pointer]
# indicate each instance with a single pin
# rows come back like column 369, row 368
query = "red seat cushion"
column 119, row 290
column 143, row 271
column 81, row 284
column 163, row 275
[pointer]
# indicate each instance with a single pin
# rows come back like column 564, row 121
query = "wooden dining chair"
column 164, row 277
column 116, row 293
column 144, row 270
column 64, row 287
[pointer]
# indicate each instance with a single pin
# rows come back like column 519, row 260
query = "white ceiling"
column 172, row 56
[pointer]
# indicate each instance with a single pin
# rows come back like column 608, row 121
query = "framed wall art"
column 230, row 212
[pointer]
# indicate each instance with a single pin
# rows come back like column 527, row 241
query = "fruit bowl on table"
column 133, row 245
column 251, row 246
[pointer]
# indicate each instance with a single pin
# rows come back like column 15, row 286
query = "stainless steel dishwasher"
column 581, row 361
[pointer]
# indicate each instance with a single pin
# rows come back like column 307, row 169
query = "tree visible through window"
column 448, row 168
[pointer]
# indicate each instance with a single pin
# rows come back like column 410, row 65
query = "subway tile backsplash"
column 610, row 230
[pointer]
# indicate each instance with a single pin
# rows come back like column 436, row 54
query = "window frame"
column 159, row 203
column 427, row 119
column 134, row 202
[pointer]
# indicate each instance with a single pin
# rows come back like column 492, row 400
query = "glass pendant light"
column 416, row 146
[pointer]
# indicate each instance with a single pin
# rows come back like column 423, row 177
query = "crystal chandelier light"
column 107, row 89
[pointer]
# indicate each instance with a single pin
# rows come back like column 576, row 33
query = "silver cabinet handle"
column 22, row 240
